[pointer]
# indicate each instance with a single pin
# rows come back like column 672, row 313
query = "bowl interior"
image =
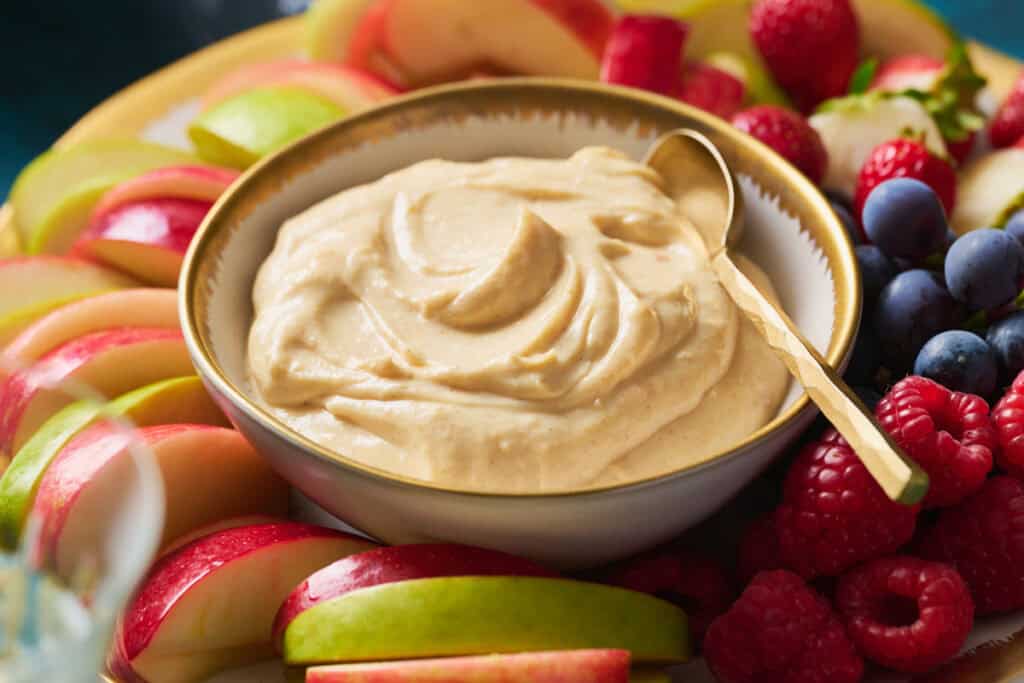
column 791, row 233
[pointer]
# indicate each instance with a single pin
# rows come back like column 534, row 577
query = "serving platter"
column 158, row 107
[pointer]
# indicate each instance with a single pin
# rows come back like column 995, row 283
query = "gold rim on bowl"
column 617, row 106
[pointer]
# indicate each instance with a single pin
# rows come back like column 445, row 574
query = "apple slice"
column 215, row 527
column 54, row 280
column 351, row 88
column 467, row 615
column 121, row 308
column 437, row 40
column 570, row 666
column 54, row 195
column 333, row 25
column 252, row 124
column 398, row 563
column 146, row 238
column 209, row 473
column 206, row 183
column 208, row 606
column 991, row 189
column 177, row 400
column 645, row 52
column 110, row 362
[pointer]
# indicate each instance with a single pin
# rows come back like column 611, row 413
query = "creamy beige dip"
column 519, row 325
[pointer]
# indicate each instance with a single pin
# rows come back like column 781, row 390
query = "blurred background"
column 62, row 57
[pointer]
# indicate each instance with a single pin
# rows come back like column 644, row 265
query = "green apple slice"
column 484, row 615
column 991, row 188
column 330, row 25
column 889, row 28
column 54, row 195
column 177, row 400
column 761, row 89
column 252, row 124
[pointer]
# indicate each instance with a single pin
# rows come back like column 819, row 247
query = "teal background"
column 62, row 57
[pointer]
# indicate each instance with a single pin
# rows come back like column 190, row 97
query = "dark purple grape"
column 959, row 360
column 912, row 309
column 1006, row 337
column 1015, row 226
column 847, row 219
column 876, row 270
column 904, row 217
column 866, row 358
column 984, row 268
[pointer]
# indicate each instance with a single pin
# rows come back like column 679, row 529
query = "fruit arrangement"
column 817, row 576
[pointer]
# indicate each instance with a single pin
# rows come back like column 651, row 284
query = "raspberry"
column 781, row 631
column 759, row 549
column 906, row 613
column 947, row 432
column 693, row 581
column 983, row 538
column 834, row 515
column 1008, row 418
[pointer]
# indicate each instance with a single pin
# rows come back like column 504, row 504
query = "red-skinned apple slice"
column 121, row 308
column 55, row 280
column 399, row 563
column 208, row 606
column 350, row 87
column 210, row 474
column 110, row 362
column 147, row 238
column 568, row 666
column 219, row 525
column 428, row 41
column 645, row 52
column 205, row 183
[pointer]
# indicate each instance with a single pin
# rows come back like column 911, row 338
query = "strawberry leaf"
column 862, row 77
column 951, row 102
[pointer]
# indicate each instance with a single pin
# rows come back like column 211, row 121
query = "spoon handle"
column 900, row 477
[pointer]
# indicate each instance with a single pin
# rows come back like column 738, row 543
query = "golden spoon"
column 691, row 163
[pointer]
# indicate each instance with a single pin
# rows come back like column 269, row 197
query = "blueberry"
column 1006, row 337
column 847, row 219
column 1015, row 226
column 876, row 270
column 984, row 268
column 912, row 309
column 904, row 217
column 865, row 359
column 959, row 360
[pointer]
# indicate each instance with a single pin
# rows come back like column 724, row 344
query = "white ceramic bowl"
column 791, row 232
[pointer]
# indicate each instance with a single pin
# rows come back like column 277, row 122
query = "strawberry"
column 789, row 134
column 919, row 72
column 645, row 52
column 946, row 89
column 1019, row 144
column 711, row 89
column 906, row 158
column 1008, row 125
column 810, row 46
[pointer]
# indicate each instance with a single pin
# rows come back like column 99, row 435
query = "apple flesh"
column 570, row 666
column 55, row 194
column 177, row 400
column 468, row 615
column 209, row 474
column 110, row 362
column 242, row 129
column 54, row 281
column 645, row 52
column 351, row 88
column 121, row 308
column 146, row 238
column 205, row 183
column 208, row 606
column 398, row 563
column 431, row 40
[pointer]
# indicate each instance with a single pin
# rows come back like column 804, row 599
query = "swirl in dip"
column 516, row 325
